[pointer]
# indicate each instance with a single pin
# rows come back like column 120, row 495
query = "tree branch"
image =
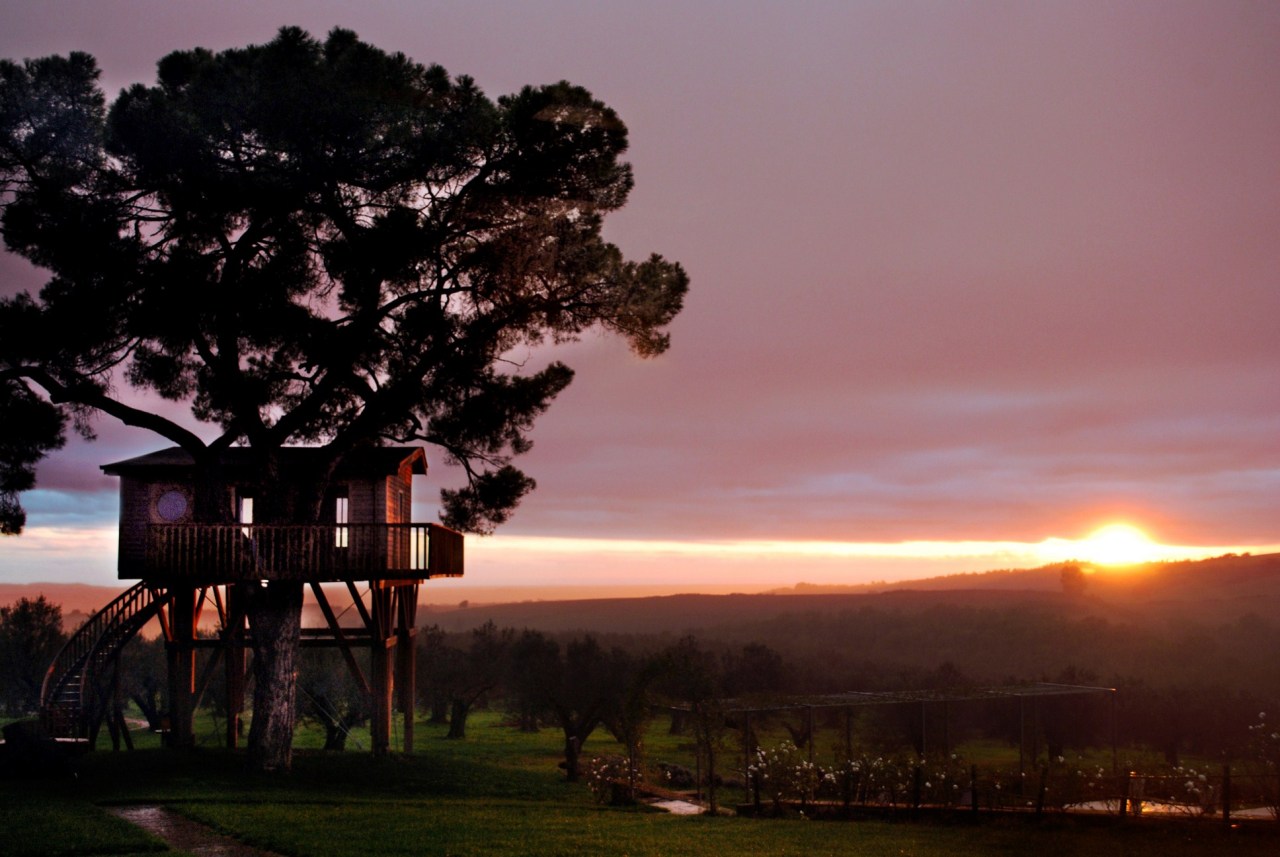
column 90, row 396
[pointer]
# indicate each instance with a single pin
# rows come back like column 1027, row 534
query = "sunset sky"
column 969, row 281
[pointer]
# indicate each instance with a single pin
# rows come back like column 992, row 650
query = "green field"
column 499, row 793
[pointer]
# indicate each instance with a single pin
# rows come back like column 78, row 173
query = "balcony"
column 228, row 553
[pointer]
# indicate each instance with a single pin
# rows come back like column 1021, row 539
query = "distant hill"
column 1213, row 625
column 1259, row 574
column 1209, row 590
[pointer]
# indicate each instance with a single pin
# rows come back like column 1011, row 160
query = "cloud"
column 958, row 272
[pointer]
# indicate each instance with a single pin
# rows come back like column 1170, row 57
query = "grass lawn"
column 499, row 793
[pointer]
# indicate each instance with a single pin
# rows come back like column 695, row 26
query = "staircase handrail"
column 122, row 612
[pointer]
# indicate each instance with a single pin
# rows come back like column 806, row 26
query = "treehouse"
column 366, row 531
column 364, row 541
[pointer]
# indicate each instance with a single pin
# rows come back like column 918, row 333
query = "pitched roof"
column 366, row 461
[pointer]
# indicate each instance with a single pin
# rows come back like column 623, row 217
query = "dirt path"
column 183, row 834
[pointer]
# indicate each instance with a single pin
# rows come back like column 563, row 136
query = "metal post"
column 1022, row 739
column 1115, row 756
column 812, row 736
column 1226, row 796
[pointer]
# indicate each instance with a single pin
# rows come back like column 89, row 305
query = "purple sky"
column 993, row 271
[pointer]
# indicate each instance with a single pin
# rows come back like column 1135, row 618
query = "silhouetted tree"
column 144, row 678
column 535, row 667
column 628, row 716
column 1073, row 579
column 693, row 680
column 430, row 664
column 753, row 670
column 330, row 696
column 308, row 242
column 590, row 682
column 469, row 675
column 30, row 637
column 30, row 428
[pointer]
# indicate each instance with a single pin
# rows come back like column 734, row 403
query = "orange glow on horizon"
column 88, row 555
column 1119, row 544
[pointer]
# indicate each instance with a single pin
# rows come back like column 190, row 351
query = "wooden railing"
column 88, row 650
column 206, row 553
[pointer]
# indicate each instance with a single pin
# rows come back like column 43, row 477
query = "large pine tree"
column 309, row 243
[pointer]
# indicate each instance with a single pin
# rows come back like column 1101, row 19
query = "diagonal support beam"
column 343, row 645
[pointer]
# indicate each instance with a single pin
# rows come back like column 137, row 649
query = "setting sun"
column 1118, row 544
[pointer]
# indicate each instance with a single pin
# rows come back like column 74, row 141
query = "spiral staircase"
column 73, row 699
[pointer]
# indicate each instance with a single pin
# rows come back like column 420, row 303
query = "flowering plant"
column 609, row 777
column 784, row 773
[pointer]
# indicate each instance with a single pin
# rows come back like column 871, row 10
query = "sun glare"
column 1118, row 544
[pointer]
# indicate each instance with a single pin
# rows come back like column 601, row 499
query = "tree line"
column 583, row 685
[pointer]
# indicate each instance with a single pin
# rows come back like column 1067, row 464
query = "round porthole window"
column 172, row 506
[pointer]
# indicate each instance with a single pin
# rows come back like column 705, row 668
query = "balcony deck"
column 228, row 553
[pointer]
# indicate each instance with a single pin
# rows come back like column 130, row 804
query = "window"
column 172, row 505
column 342, row 533
column 244, row 514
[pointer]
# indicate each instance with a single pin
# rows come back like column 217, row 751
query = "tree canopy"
column 316, row 243
column 310, row 243
column 30, row 636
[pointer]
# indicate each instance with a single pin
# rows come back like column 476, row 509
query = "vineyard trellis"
column 934, row 777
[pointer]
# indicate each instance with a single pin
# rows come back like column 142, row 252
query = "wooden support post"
column 114, row 718
column 182, row 666
column 406, row 656
column 340, row 638
column 234, row 660
column 124, row 729
column 380, row 662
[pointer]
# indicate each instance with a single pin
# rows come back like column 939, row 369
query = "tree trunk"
column 458, row 719
column 150, row 709
column 572, row 754
column 275, row 618
column 439, row 710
